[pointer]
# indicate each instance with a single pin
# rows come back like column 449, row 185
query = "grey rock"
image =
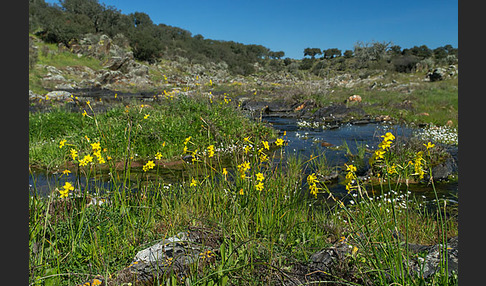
column 429, row 264
column 437, row 74
column 59, row 95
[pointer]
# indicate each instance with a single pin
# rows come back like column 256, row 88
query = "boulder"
column 59, row 95
column 175, row 255
column 426, row 264
column 437, row 74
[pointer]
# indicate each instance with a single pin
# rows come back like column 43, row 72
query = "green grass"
column 260, row 230
column 167, row 125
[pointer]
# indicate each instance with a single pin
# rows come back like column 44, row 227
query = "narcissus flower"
column 210, row 151
column 260, row 177
column 61, row 144
column 148, row 166
column 259, row 186
column 429, row 145
column 265, row 145
column 279, row 142
column 65, row 191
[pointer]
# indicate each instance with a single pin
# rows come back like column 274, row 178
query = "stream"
column 303, row 140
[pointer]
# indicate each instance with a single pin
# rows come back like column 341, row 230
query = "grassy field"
column 268, row 219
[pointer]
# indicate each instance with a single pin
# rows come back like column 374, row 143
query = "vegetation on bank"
column 150, row 128
column 268, row 218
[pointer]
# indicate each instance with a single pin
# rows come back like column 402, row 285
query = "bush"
column 33, row 54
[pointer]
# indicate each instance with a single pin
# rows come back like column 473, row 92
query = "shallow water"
column 302, row 141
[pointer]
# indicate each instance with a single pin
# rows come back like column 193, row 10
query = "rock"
column 354, row 98
column 326, row 258
column 445, row 169
column 59, row 95
column 175, row 254
column 437, row 74
column 430, row 263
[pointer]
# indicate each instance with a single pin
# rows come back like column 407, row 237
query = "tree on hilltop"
column 312, row 52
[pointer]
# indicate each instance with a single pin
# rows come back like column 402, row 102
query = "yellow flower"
column 242, row 192
column 350, row 168
column 148, row 166
column 211, row 151
column 388, row 136
column 66, row 172
column 279, row 142
column 61, row 144
column 385, row 144
column 265, row 145
column 246, row 166
column 247, row 139
column 101, row 160
column 429, row 145
column 74, row 153
column 392, row 169
column 193, row 183
column 88, row 102
column 312, row 178
column 260, row 177
column 225, row 172
column 96, row 146
column 187, row 140
column 314, row 189
column 185, row 149
column 263, row 157
column 63, row 193
column 87, row 159
column 247, row 148
column 67, row 187
column 146, row 116
column 86, row 137
column 380, row 154
column 259, row 186
column 158, row 156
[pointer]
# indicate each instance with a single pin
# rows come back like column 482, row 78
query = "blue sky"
column 292, row 25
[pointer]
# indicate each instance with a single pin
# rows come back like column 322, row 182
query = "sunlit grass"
column 268, row 213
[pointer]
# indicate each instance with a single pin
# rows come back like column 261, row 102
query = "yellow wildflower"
column 260, row 177
column 312, row 178
column 247, row 148
column 67, row 187
column 210, row 151
column 265, row 145
column 225, row 172
column 429, row 145
column 146, row 116
column 193, row 183
column 148, row 166
column 74, row 153
column 388, row 136
column 350, row 168
column 158, row 156
column 187, row 140
column 61, row 144
column 279, row 142
column 259, row 186
column 66, row 172
column 96, row 146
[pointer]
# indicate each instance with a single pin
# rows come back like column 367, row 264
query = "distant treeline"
column 71, row 19
column 380, row 55
column 68, row 21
